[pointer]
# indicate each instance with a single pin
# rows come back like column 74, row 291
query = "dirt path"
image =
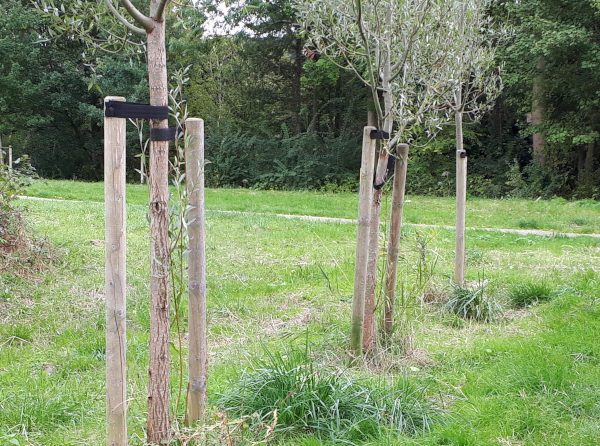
column 351, row 221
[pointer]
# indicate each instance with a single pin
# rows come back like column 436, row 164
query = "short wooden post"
column 461, row 204
column 1, row 152
column 362, row 242
column 114, row 202
column 10, row 156
column 400, row 167
column 198, row 357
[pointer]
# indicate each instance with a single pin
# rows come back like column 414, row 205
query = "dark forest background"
column 278, row 119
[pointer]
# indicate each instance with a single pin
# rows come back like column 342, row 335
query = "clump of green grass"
column 292, row 393
column 528, row 224
column 579, row 222
column 471, row 302
column 529, row 293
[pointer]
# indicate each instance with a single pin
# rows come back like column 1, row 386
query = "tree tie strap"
column 171, row 133
column 379, row 134
column 117, row 109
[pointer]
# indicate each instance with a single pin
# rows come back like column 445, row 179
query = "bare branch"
column 359, row 21
column 141, row 19
column 122, row 19
column 158, row 14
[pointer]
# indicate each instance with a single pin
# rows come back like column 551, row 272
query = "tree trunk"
column 589, row 159
column 315, row 110
column 297, row 87
column 539, row 151
column 370, row 328
column 581, row 156
column 391, row 270
column 159, row 425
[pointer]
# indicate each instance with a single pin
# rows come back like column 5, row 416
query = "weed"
column 416, row 279
column 529, row 293
column 471, row 302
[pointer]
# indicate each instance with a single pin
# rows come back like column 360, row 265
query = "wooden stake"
column 10, row 156
column 1, row 152
column 362, row 243
column 461, row 204
column 400, row 167
column 198, row 360
column 115, row 273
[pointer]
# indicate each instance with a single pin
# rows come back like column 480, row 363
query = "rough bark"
column 159, row 425
column 371, row 121
column 391, row 271
column 539, row 152
column 297, row 85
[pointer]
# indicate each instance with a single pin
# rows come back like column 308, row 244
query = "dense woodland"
column 278, row 116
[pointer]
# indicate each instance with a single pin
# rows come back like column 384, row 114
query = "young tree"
column 399, row 49
column 104, row 24
column 475, row 86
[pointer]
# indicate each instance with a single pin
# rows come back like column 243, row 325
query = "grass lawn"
column 529, row 378
column 554, row 215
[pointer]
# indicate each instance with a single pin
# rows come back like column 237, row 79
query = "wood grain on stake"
column 114, row 197
column 198, row 359
column 461, row 204
column 365, row 203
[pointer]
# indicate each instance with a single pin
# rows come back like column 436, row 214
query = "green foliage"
column 294, row 393
column 529, row 293
column 14, row 181
column 319, row 73
column 279, row 160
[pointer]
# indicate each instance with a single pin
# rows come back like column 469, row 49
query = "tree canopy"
column 279, row 115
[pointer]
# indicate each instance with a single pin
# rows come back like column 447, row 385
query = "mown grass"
column 553, row 215
column 530, row 378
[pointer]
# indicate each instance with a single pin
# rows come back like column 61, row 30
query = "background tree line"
column 278, row 116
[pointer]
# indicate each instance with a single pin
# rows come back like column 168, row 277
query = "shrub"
column 300, row 395
column 13, row 182
column 526, row 294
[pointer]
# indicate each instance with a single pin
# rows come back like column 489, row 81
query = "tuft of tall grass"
column 293, row 393
column 529, row 293
column 528, row 224
column 471, row 302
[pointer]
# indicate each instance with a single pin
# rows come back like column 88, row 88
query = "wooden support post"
column 461, row 204
column 114, row 199
column 362, row 242
column 1, row 152
column 10, row 156
column 400, row 167
column 198, row 359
